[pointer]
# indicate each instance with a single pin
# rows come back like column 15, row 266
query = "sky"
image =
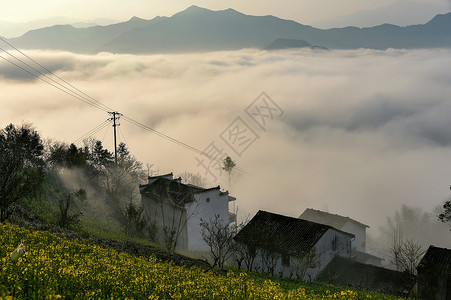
column 357, row 132
column 305, row 12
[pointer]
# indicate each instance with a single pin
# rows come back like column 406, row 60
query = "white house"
column 292, row 247
column 176, row 208
column 346, row 224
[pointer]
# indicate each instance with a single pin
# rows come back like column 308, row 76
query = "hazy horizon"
column 305, row 12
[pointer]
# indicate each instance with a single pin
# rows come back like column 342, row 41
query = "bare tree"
column 304, row 261
column 251, row 240
column 406, row 254
column 174, row 220
column 410, row 222
column 172, row 209
column 66, row 218
column 119, row 182
column 269, row 259
column 136, row 223
column 174, row 224
column 194, row 179
column 218, row 235
column 246, row 254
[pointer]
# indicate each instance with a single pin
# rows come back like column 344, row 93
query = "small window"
column 335, row 242
column 207, row 200
column 285, row 260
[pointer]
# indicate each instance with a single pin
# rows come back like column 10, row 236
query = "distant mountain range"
column 400, row 13
column 197, row 29
column 13, row 29
column 280, row 44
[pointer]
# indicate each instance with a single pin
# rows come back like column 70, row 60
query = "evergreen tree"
column 21, row 165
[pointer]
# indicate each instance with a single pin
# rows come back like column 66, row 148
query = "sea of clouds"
column 361, row 132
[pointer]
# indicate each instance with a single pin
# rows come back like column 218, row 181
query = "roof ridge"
column 159, row 176
column 208, row 189
column 335, row 215
column 288, row 235
column 303, row 220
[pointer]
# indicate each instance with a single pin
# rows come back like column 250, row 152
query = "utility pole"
column 116, row 117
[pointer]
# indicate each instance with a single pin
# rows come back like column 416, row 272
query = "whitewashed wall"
column 326, row 249
column 207, row 205
column 165, row 214
column 359, row 242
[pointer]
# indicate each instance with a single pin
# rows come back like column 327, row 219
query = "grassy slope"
column 56, row 266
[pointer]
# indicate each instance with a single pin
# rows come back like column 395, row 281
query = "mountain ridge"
column 398, row 13
column 197, row 29
column 17, row 29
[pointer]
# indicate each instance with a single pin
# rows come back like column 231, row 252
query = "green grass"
column 110, row 231
column 310, row 287
column 56, row 267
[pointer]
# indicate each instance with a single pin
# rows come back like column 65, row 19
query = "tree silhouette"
column 445, row 216
column 21, row 165
column 228, row 166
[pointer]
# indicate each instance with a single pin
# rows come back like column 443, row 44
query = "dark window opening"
column 335, row 242
column 286, row 260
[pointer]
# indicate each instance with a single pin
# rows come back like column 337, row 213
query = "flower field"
column 55, row 267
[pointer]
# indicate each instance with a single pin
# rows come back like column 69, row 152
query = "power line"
column 182, row 144
column 71, row 90
column 50, row 72
column 56, row 85
column 108, row 129
column 95, row 103
column 93, row 131
column 122, row 134
column 34, row 75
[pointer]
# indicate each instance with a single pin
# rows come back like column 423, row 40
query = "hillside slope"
column 56, row 267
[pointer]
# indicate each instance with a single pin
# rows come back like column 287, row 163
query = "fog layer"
column 358, row 132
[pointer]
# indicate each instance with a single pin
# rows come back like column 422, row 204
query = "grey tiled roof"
column 436, row 257
column 323, row 217
column 363, row 257
column 178, row 192
column 284, row 234
column 347, row 272
column 159, row 176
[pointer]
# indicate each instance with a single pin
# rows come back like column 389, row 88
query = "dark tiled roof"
column 284, row 234
column 436, row 257
column 177, row 192
column 208, row 190
column 346, row 272
column 363, row 257
column 158, row 176
column 326, row 218
column 194, row 186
